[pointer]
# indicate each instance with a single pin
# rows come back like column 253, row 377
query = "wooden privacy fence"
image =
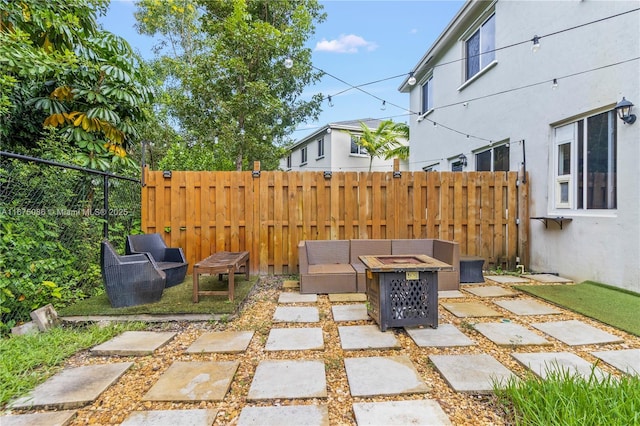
column 267, row 213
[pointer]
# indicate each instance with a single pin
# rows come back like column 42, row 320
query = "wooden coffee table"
column 222, row 262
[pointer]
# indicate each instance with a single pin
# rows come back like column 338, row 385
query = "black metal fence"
column 52, row 219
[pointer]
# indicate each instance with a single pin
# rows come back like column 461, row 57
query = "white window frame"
column 428, row 85
column 492, row 160
column 360, row 150
column 569, row 134
column 303, row 155
column 320, row 149
column 485, row 57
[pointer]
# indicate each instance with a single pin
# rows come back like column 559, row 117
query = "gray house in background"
column 332, row 148
column 534, row 85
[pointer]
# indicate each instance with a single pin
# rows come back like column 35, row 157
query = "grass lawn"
column 613, row 306
column 175, row 300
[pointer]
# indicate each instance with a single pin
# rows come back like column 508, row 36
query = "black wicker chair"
column 167, row 259
column 130, row 280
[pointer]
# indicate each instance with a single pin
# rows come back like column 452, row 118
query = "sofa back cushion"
column 368, row 247
column 332, row 251
column 420, row 246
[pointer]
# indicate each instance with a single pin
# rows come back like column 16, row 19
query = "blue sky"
column 359, row 42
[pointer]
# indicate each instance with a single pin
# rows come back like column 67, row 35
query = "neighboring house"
column 332, row 148
column 486, row 99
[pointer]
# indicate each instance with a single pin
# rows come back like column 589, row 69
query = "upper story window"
column 480, row 47
column 585, row 164
column 289, row 161
column 303, row 156
column 320, row 148
column 493, row 160
column 427, row 95
column 355, row 148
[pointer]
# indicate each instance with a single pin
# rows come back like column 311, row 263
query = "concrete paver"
column 526, row 306
column 229, row 342
column 446, row 335
column 450, row 294
column 133, row 343
column 376, row 376
column 52, row 418
column 286, row 415
column 575, row 333
column 510, row 334
column 291, row 284
column 542, row 364
column 193, row 417
column 193, row 381
column 347, row 297
column 400, row 413
column 626, row 360
column 288, row 379
column 73, row 387
column 296, row 314
column 353, row 312
column 359, row 337
column 470, row 309
column 295, row 297
column 547, row 278
column 471, row 373
column 295, row 339
column 490, row 291
column 506, row 279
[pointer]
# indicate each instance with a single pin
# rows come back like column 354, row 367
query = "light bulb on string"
column 330, row 101
column 554, row 86
column 288, row 63
column 278, row 121
column 384, row 105
column 412, row 79
column 536, row 44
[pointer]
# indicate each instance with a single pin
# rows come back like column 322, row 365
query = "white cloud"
column 349, row 43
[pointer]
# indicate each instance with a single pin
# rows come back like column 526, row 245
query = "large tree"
column 229, row 84
column 58, row 69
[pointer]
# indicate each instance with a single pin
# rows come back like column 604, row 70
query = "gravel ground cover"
column 125, row 396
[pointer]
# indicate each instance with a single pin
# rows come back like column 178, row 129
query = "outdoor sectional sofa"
column 333, row 266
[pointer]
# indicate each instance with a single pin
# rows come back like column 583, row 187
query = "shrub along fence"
column 52, row 219
column 267, row 213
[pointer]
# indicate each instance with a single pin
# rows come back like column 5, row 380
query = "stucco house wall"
column 337, row 151
column 512, row 101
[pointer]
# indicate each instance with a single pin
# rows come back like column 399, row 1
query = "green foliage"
column 384, row 141
column 227, row 96
column 565, row 399
column 26, row 361
column 58, row 69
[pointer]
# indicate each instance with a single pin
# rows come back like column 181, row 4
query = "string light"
column 288, row 63
column 330, row 101
column 554, row 86
column 412, row 79
column 384, row 105
column 536, row 44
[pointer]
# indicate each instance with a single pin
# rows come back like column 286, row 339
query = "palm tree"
column 384, row 141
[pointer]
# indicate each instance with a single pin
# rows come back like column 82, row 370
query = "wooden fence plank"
column 204, row 212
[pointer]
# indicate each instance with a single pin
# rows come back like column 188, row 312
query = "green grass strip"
column 615, row 307
column 28, row 360
column 564, row 399
column 175, row 300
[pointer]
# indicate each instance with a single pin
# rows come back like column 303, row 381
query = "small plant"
column 468, row 326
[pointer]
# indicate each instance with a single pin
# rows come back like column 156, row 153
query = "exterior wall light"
column 327, row 174
column 624, row 111
column 166, row 174
column 463, row 160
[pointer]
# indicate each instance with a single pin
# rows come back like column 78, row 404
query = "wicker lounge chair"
column 167, row 259
column 130, row 280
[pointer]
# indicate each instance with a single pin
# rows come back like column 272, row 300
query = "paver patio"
column 132, row 343
column 197, row 417
column 351, row 312
column 470, row 309
column 193, row 381
column 400, row 413
column 294, row 297
column 296, row 314
column 363, row 337
column 221, row 342
column 471, row 373
column 490, row 291
column 544, row 363
column 576, row 333
column 289, row 379
column 506, row 279
column 526, row 306
column 625, row 360
column 375, row 376
column 445, row 335
column 510, row 334
column 293, row 415
column 295, row 339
